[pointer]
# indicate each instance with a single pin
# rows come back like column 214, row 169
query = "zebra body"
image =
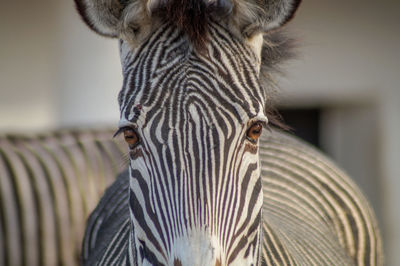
column 193, row 104
column 313, row 214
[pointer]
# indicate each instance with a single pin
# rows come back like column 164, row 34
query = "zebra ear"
column 112, row 18
column 264, row 15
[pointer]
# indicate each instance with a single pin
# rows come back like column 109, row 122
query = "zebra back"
column 49, row 184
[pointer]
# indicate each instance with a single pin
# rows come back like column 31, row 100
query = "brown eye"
column 254, row 132
column 131, row 137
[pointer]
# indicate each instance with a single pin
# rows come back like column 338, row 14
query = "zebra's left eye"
column 254, row 132
column 130, row 136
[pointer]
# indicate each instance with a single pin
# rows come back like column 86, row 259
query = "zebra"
column 203, row 186
column 49, row 184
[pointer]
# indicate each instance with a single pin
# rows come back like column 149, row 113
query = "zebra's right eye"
column 254, row 132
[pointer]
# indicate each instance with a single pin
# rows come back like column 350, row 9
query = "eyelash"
column 119, row 131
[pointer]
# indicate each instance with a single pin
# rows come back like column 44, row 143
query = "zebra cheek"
column 136, row 154
column 251, row 148
column 138, row 161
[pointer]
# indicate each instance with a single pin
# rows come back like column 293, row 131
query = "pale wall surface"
column 54, row 72
column 89, row 73
column 27, row 60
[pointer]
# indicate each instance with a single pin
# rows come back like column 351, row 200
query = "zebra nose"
column 195, row 248
column 177, row 262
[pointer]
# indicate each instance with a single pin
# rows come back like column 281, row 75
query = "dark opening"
column 304, row 123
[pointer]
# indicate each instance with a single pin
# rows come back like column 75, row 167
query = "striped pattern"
column 108, row 228
column 312, row 212
column 193, row 174
column 48, row 186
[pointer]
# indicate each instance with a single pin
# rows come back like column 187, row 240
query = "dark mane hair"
column 193, row 17
column 277, row 49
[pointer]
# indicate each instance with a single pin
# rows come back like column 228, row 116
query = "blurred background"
column 342, row 93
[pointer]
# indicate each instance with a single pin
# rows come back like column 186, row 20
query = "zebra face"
column 192, row 109
column 192, row 119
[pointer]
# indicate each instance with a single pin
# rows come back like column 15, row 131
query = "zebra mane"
column 277, row 49
column 193, row 16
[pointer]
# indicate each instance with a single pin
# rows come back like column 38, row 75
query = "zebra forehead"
column 206, row 117
column 166, row 75
column 209, row 110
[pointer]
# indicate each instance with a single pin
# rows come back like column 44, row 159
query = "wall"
column 54, row 72
column 27, row 65
column 89, row 73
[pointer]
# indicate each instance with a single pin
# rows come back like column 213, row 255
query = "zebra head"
column 192, row 110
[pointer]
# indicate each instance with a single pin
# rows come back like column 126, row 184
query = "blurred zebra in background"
column 49, row 184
